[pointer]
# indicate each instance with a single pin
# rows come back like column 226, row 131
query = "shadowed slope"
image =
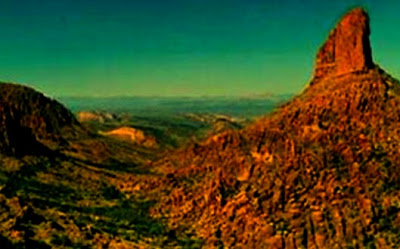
column 30, row 122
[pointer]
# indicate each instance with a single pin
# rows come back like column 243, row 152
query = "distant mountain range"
column 247, row 107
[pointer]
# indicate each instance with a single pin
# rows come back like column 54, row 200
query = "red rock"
column 348, row 48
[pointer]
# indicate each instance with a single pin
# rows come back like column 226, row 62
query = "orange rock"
column 348, row 48
column 132, row 135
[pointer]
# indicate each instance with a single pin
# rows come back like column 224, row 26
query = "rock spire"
column 348, row 47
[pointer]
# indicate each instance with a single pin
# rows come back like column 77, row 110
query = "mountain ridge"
column 319, row 172
column 32, row 122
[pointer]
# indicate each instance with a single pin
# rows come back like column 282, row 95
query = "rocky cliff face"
column 31, row 122
column 348, row 48
column 321, row 172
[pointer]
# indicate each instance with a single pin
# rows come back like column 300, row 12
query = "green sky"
column 176, row 48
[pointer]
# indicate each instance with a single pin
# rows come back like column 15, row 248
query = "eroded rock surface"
column 348, row 47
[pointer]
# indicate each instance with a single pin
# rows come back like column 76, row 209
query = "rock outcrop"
column 348, row 47
column 100, row 117
column 131, row 135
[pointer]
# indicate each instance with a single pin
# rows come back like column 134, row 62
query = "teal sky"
column 177, row 48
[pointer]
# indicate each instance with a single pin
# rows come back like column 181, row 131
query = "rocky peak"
column 348, row 47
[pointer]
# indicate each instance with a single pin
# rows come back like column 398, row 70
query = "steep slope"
column 321, row 172
column 31, row 122
column 58, row 181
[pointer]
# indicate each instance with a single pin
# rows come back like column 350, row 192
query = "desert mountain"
column 320, row 172
column 31, row 122
column 58, row 180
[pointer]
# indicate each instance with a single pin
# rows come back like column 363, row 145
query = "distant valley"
column 172, row 120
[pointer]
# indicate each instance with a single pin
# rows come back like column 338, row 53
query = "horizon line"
column 174, row 96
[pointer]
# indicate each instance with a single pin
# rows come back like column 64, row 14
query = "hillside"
column 58, row 180
column 31, row 122
column 320, row 172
